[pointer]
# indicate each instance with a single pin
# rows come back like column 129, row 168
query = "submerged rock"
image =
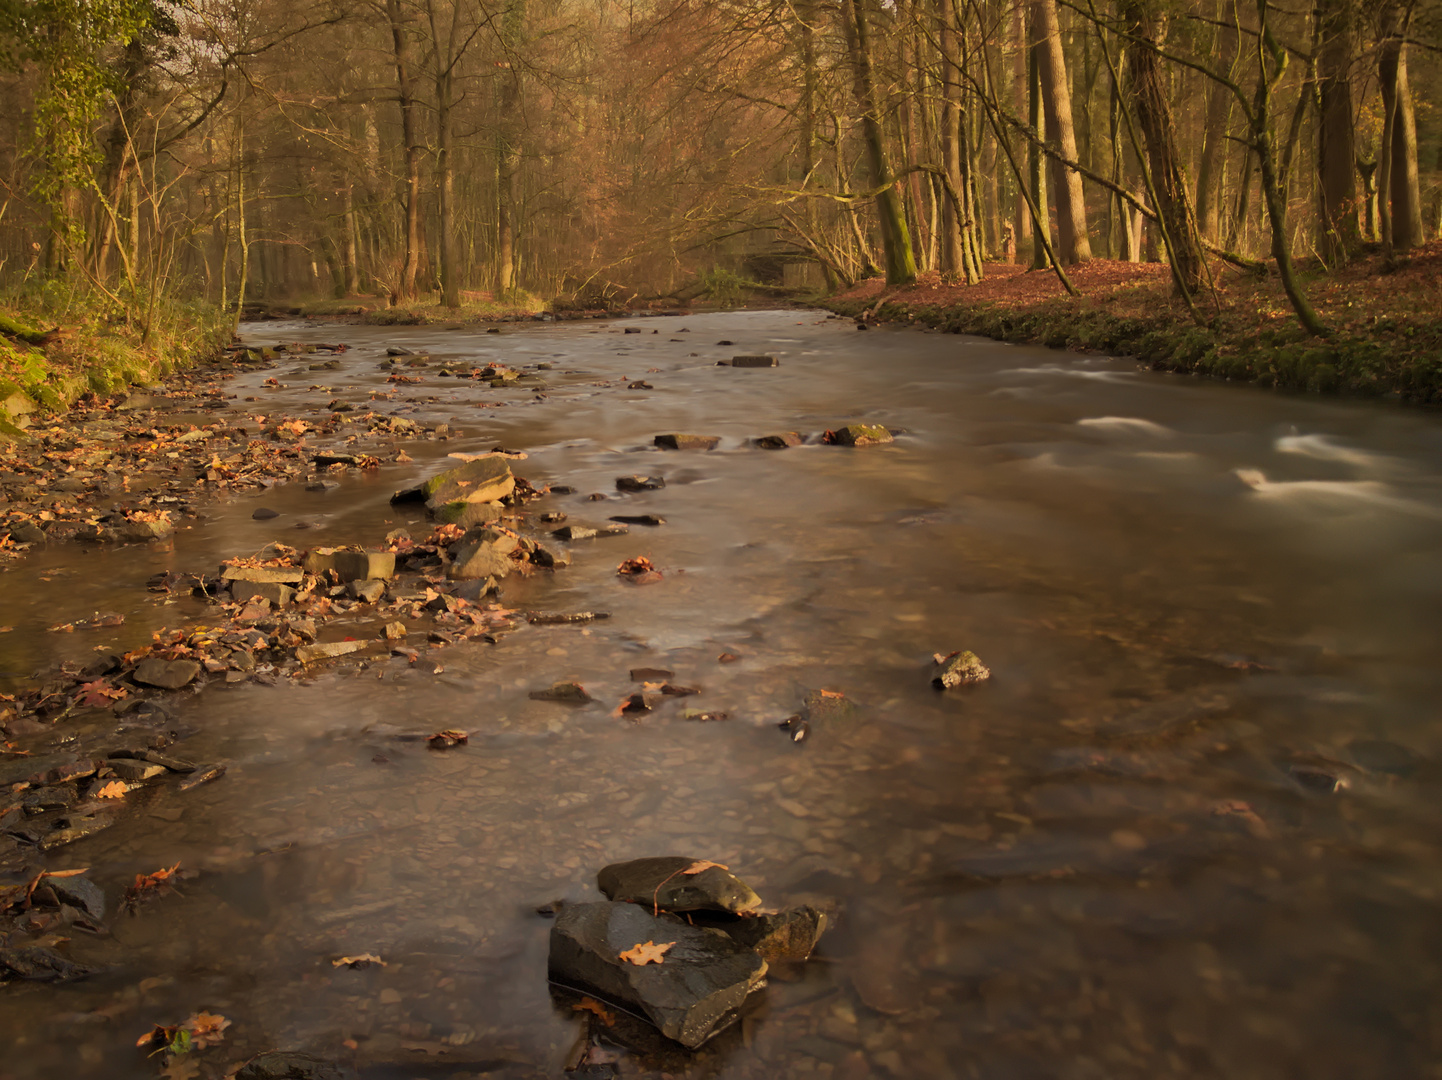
column 695, row 990
column 571, row 692
column 661, row 881
column 957, row 669
column 639, row 483
column 39, row 964
column 754, row 360
column 281, row 1065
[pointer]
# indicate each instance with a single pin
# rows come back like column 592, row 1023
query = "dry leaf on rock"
column 362, row 961
column 116, row 789
column 441, row 740
column 702, row 864
column 648, row 953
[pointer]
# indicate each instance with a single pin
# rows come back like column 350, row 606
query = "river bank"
column 1386, row 321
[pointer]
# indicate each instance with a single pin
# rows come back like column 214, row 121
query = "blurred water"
column 1101, row 863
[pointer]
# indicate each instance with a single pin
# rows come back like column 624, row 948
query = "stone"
column 264, row 513
column 56, row 797
column 278, row 594
column 78, row 829
column 859, row 435
column 398, row 350
column 696, row 990
column 286, row 575
column 323, row 486
column 482, row 479
column 467, row 514
column 660, row 881
column 754, row 360
column 349, row 564
column 651, row 520
column 324, row 651
column 141, row 531
column 570, row 692
column 130, row 769
column 788, row 936
column 174, row 764
column 394, row 631
column 368, row 590
column 325, row 461
column 478, row 560
column 551, row 560
column 957, row 669
column 40, row 964
column 564, row 618
column 165, row 674
column 687, row 442
column 284, row 1065
column 639, row 483
column 582, row 532
column 780, row 441
column 827, row 705
column 27, row 532
column 79, row 892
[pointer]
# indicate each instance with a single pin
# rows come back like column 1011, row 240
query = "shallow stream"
column 1189, row 828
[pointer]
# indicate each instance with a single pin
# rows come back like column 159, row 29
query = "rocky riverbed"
column 1009, row 669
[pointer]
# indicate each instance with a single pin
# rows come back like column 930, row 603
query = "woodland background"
column 597, row 150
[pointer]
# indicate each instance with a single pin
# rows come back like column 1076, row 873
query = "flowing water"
column 1188, row 828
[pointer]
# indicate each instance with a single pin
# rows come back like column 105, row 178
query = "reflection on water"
column 1118, row 858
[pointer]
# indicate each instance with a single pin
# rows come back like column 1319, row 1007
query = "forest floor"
column 374, row 310
column 1385, row 320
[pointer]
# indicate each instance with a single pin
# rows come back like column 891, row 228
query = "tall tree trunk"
column 1036, row 160
column 895, row 238
column 508, row 152
column 1219, row 102
column 350, row 269
column 1154, row 115
column 1073, row 243
column 1398, row 180
column 1336, row 144
column 1021, row 84
column 951, row 135
column 406, row 92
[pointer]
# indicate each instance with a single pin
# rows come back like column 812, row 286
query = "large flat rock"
column 480, row 480
column 694, row 992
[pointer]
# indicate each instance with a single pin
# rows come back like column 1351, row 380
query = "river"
column 1188, row 828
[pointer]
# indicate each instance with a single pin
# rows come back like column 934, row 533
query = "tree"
column 1073, row 243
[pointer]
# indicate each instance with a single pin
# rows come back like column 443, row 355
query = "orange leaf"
column 649, row 953
column 591, row 1005
column 701, row 864
column 116, row 789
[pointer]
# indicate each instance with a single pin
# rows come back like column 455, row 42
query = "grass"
column 98, row 351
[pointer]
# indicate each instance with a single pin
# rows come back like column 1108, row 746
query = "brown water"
column 1101, row 863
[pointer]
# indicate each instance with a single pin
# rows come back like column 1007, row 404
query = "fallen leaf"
column 362, row 961
column 649, row 953
column 702, row 864
column 442, row 740
column 116, row 789
column 149, row 884
column 206, row 1029
column 591, row 1005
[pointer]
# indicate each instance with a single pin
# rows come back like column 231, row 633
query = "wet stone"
column 309, row 653
column 130, row 769
column 581, row 532
column 286, row 575
column 483, row 479
column 79, row 892
column 77, row 829
column 651, row 520
column 640, row 483
column 349, row 564
column 860, row 435
column 264, row 513
column 696, row 990
column 754, row 360
column 165, row 674
column 779, row 441
column 787, row 936
column 468, row 514
column 662, row 881
column 687, row 442
column 957, row 669
column 477, row 561
column 570, row 692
